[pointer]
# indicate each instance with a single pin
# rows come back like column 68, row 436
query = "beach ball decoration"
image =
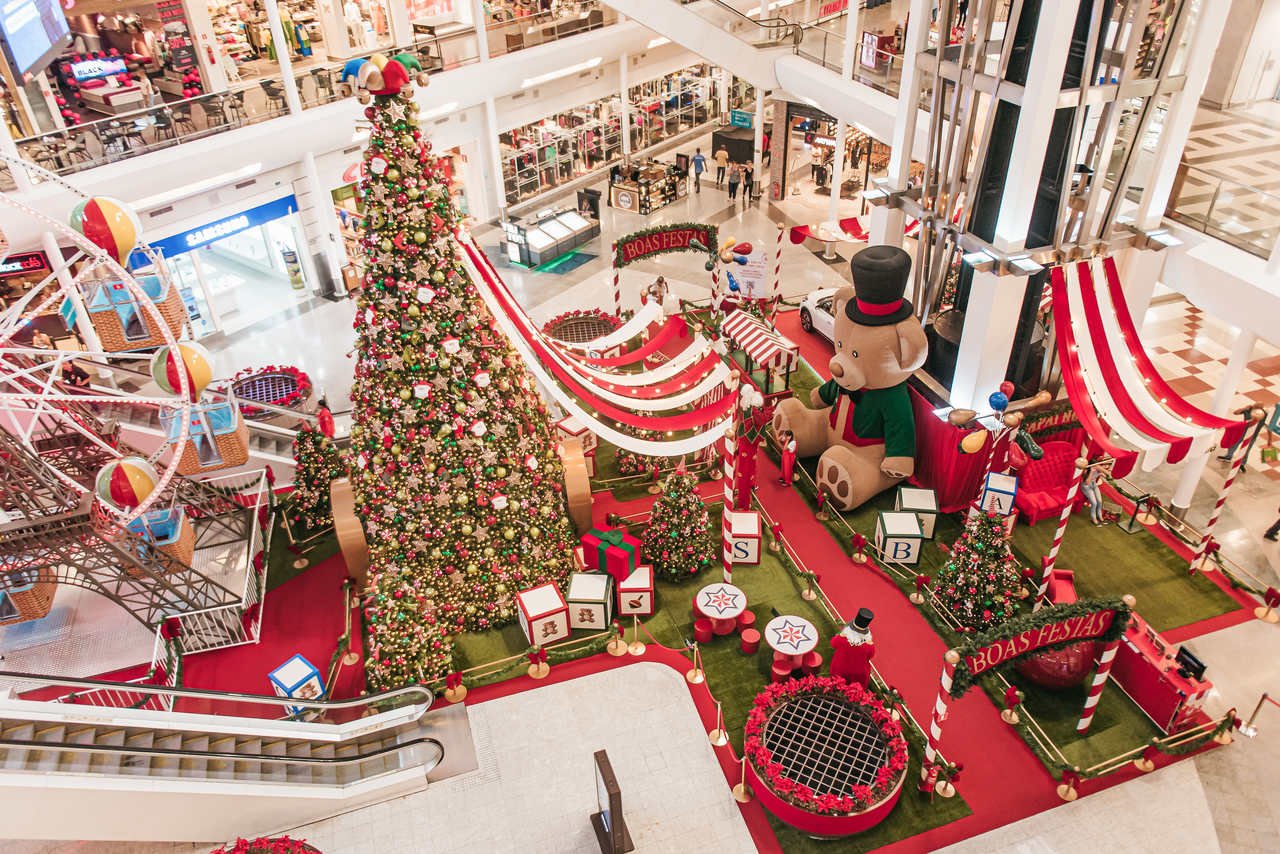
column 125, row 483
column 109, row 224
column 190, row 357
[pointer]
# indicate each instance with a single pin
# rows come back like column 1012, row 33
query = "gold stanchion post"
column 808, row 594
column 697, row 675
column 617, row 644
column 637, row 646
column 740, row 793
column 718, row 737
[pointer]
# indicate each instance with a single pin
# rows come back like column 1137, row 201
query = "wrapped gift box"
column 898, row 536
column 544, row 615
column 998, row 493
column 571, row 428
column 744, row 537
column 590, row 601
column 923, row 503
column 299, row 679
column 611, row 550
column 635, row 593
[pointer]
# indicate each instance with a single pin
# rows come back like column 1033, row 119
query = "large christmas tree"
column 677, row 542
column 979, row 583
column 455, row 469
column 316, row 463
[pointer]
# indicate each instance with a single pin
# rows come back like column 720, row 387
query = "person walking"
column 699, row 166
column 1091, row 487
column 748, row 181
column 722, row 161
column 735, row 178
column 1274, row 531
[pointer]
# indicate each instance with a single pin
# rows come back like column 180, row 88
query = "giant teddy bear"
column 862, row 423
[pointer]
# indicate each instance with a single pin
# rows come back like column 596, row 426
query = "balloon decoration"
column 382, row 76
column 732, row 252
column 192, row 358
column 125, row 483
column 109, row 224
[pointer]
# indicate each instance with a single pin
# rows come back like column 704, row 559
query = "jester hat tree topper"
column 379, row 75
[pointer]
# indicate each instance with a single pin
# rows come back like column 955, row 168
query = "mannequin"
column 854, row 649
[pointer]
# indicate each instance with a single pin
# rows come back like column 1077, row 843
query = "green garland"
column 963, row 680
column 711, row 230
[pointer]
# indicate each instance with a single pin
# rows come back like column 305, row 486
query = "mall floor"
column 1220, row 801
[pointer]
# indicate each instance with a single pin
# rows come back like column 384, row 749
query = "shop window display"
column 672, row 104
column 516, row 24
column 540, row 156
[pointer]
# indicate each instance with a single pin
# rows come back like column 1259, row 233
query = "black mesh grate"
column 580, row 330
column 826, row 744
column 265, row 388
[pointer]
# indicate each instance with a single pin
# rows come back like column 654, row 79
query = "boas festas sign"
column 1084, row 627
column 674, row 238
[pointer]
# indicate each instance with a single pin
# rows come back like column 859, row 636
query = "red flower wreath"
column 859, row 798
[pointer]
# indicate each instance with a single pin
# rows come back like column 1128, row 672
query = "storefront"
column 315, row 31
column 647, row 186
column 238, row 269
column 671, row 105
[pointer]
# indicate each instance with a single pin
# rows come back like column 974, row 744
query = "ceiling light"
column 659, row 42
column 438, row 111
column 159, row 199
column 563, row 72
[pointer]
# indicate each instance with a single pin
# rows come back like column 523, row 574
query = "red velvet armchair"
column 1043, row 483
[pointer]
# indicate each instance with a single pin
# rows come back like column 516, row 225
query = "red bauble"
column 1060, row 669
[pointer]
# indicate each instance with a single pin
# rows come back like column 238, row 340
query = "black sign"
column 24, row 264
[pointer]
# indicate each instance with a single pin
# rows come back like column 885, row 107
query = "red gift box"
column 611, row 550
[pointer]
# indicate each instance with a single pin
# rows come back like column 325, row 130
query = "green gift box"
column 611, row 550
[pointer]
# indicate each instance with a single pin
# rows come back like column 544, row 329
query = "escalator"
column 219, row 765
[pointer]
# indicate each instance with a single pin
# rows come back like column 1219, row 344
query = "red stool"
column 781, row 672
column 750, row 641
column 812, row 663
column 746, row 619
column 702, row 630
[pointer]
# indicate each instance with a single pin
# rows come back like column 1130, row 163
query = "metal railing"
column 1236, row 213
column 776, row 31
column 507, row 33
column 879, row 69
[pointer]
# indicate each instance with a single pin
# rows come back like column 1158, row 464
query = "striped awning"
column 763, row 343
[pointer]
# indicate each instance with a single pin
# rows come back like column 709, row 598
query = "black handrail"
column 22, row 744
column 789, row 29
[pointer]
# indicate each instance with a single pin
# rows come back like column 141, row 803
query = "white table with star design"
column 721, row 604
column 791, row 638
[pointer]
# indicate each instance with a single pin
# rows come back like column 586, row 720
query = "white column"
column 83, row 325
column 989, row 325
column 1139, row 271
column 837, row 170
column 1198, row 457
column 401, row 26
column 625, row 95
column 1035, row 121
column 282, row 56
column 757, row 129
column 1273, row 260
column 328, row 238
column 886, row 223
column 495, row 156
column 208, row 52
column 21, row 178
column 482, row 29
column 726, row 83
column 1206, row 32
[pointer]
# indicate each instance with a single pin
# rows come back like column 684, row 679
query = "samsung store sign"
column 218, row 229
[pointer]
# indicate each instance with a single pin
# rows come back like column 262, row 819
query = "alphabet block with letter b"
column 899, row 536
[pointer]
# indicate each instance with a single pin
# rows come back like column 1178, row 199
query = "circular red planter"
column 815, row 824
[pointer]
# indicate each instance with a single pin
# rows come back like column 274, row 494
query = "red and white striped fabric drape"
column 1050, row 559
column 1099, row 682
column 939, row 714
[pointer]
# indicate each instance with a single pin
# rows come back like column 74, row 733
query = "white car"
column 816, row 315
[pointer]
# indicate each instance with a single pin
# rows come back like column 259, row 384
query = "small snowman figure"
column 854, row 649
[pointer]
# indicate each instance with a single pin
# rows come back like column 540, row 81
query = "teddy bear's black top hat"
column 880, row 275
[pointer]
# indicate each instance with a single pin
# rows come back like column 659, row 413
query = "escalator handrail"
column 64, row 747
column 424, row 694
column 793, row 30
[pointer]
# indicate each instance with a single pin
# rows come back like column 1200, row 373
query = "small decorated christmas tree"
column 676, row 542
column 979, row 583
column 317, row 462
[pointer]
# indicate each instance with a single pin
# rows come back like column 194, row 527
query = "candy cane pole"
column 949, row 662
column 1237, row 460
column 726, row 516
column 715, row 284
column 617, row 281
column 1099, row 682
column 1050, row 559
column 777, row 273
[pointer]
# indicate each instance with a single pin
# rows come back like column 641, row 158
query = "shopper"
column 41, row 340
column 148, row 90
column 722, row 161
column 1097, row 474
column 748, row 181
column 699, row 166
column 735, row 178
column 74, row 375
column 1274, row 531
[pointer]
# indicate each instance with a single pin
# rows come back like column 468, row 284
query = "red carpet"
column 814, row 349
column 303, row 615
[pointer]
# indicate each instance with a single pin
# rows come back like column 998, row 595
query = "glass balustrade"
column 1236, row 213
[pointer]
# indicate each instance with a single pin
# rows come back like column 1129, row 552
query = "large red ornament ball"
column 1060, row 669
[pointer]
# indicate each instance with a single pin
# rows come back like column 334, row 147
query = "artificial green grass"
column 1118, row 724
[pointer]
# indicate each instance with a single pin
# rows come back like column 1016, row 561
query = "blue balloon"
column 734, row 287
column 999, row 401
column 351, row 70
column 741, row 259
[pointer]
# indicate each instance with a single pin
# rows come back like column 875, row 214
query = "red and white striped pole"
column 729, row 447
column 777, row 273
column 949, row 662
column 715, row 284
column 1237, row 461
column 1095, row 688
column 1082, row 464
column 617, row 280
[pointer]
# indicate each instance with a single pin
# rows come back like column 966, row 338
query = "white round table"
column 721, row 603
column 791, row 637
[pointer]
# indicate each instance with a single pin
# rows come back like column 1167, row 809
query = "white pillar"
column 1206, row 32
column 401, row 25
column 886, row 223
column 482, row 29
column 21, row 178
column 1035, row 121
column 1273, row 260
column 288, row 81
column 495, row 156
column 757, row 144
column 726, row 83
column 837, row 169
column 328, row 237
column 1139, row 271
column 1198, row 457
column 989, row 325
column 624, row 91
column 83, row 325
